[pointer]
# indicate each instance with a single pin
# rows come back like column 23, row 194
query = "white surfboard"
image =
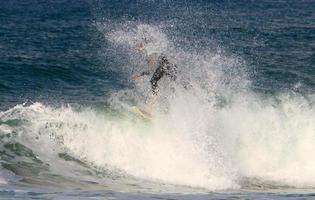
column 140, row 112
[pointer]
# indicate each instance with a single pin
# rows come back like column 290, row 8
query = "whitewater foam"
column 189, row 146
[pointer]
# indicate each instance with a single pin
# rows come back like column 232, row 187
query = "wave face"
column 240, row 115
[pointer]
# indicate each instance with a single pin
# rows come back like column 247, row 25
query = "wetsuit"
column 164, row 68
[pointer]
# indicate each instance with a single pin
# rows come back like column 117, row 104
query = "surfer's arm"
column 145, row 73
column 138, row 75
column 151, row 60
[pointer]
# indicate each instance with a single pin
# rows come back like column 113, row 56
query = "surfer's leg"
column 151, row 102
column 152, row 98
column 154, row 87
column 157, row 75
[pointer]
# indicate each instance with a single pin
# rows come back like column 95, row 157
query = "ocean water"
column 238, row 123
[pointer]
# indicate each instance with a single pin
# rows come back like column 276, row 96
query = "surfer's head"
column 140, row 46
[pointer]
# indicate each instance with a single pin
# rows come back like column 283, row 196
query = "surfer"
column 159, row 66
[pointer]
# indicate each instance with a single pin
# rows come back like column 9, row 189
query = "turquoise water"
column 244, row 127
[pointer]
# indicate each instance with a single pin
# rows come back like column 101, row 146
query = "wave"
column 219, row 150
column 214, row 134
column 249, row 138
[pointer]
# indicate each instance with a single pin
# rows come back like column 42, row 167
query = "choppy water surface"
column 238, row 123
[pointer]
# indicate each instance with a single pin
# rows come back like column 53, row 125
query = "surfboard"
column 140, row 112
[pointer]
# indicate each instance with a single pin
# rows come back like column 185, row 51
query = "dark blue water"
column 253, row 60
column 49, row 51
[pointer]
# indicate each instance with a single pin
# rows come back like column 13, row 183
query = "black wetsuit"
column 164, row 68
